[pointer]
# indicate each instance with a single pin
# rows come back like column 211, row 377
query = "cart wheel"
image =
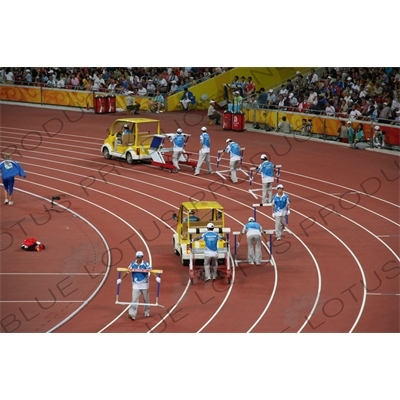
column 191, row 281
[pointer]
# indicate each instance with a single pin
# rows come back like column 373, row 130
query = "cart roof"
column 135, row 120
column 201, row 205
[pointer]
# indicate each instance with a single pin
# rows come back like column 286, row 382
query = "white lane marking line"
column 383, row 294
column 42, row 301
column 51, row 273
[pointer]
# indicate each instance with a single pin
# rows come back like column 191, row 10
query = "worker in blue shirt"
column 266, row 169
column 192, row 217
column 253, row 231
column 9, row 169
column 281, row 204
column 211, row 239
column 235, row 157
column 140, row 285
column 178, row 143
column 204, row 153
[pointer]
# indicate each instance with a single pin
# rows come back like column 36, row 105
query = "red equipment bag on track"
column 31, row 244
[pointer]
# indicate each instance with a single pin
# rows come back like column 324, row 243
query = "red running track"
column 336, row 271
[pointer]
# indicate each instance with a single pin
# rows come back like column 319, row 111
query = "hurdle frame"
column 269, row 232
column 251, row 177
column 219, row 156
column 158, row 272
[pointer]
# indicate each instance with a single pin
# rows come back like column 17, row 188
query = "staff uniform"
column 178, row 142
column 266, row 169
column 234, row 150
column 140, row 285
column 253, row 232
column 204, row 153
column 210, row 252
column 281, row 209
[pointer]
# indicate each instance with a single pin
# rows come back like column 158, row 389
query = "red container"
column 111, row 104
column 238, row 123
column 100, row 105
column 227, row 120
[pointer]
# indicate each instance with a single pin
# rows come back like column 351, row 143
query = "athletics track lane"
column 175, row 283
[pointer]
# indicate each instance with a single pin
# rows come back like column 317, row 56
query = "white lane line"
column 51, row 273
column 343, row 187
column 347, row 201
column 145, row 173
column 386, row 236
column 228, row 293
column 383, row 294
column 43, row 301
column 99, row 233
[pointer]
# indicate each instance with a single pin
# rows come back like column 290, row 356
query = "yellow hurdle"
column 152, row 271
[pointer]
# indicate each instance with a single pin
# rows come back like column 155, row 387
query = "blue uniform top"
column 140, row 277
column 253, row 225
column 266, row 168
column 10, row 169
column 281, row 204
column 234, row 149
column 205, row 140
column 192, row 218
column 179, row 140
column 210, row 240
column 252, row 228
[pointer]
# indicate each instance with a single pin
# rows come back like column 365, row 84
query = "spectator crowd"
column 359, row 93
column 140, row 81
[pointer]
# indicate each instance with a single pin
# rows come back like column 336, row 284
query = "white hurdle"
column 228, row 171
column 269, row 232
column 252, row 170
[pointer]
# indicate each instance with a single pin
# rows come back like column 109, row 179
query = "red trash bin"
column 227, row 120
column 100, row 105
column 111, row 104
column 238, row 123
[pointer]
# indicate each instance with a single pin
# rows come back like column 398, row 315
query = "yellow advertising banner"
column 21, row 94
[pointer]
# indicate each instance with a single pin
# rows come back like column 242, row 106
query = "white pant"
column 254, row 248
column 266, row 190
column 234, row 165
column 135, row 299
column 280, row 224
column 207, row 262
column 185, row 103
column 175, row 158
column 203, row 157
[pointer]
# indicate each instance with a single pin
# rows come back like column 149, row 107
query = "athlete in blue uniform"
column 9, row 170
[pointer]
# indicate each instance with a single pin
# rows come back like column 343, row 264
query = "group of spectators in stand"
column 140, row 81
column 359, row 93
